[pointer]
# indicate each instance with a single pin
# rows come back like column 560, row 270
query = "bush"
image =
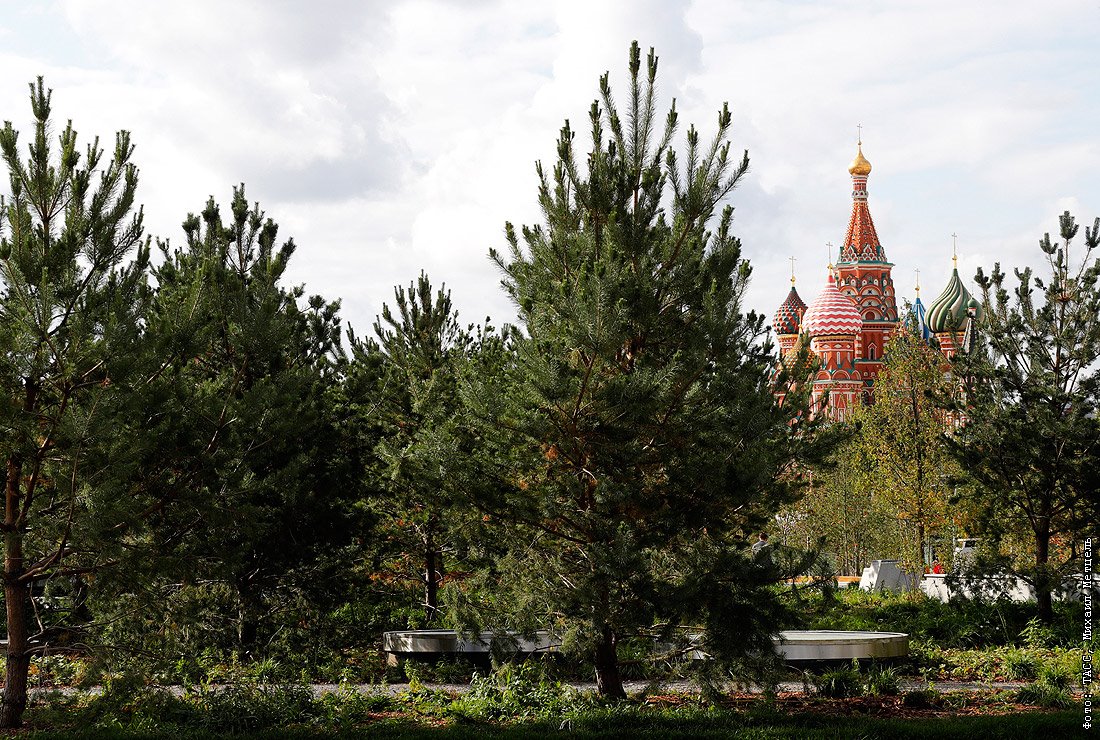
column 960, row 623
column 881, row 681
column 839, row 683
column 126, row 700
column 250, row 707
column 348, row 708
column 1044, row 695
column 1050, row 690
column 517, row 691
column 1019, row 665
column 920, row 698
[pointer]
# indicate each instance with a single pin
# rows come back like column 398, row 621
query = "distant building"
column 849, row 323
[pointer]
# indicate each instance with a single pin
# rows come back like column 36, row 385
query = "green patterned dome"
column 949, row 311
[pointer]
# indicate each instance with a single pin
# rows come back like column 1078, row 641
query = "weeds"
column 521, row 691
column 840, row 683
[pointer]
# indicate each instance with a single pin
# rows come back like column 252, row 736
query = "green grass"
column 678, row 723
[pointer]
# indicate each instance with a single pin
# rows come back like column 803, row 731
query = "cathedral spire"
column 861, row 242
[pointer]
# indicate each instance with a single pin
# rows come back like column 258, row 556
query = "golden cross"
column 918, row 280
column 830, row 246
column 859, row 134
column 954, row 249
column 792, row 269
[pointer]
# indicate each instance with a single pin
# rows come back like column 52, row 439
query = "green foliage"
column 425, row 527
column 1037, row 634
column 1020, row 666
column 240, row 435
column 1049, row 690
column 634, row 443
column 842, row 513
column 881, row 681
column 350, row 708
column 959, row 623
column 73, row 287
column 920, row 698
column 901, row 444
column 990, row 663
column 839, row 683
column 1032, row 392
column 515, row 691
column 883, row 493
column 127, row 701
column 245, row 707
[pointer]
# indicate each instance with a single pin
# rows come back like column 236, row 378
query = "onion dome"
column 789, row 315
column 949, row 311
column 920, row 317
column 832, row 313
column 859, row 165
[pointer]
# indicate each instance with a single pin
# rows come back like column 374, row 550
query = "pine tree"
column 1031, row 436
column 244, row 435
column 422, row 345
column 73, row 264
column 636, row 436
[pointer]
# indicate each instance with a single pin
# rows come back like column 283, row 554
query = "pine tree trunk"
column 248, row 627
column 920, row 555
column 608, row 681
column 431, row 583
column 1045, row 608
column 16, row 596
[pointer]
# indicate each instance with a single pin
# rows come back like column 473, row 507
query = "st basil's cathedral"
column 850, row 321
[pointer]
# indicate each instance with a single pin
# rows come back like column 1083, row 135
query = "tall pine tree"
column 1031, row 439
column 243, row 437
column 422, row 345
column 73, row 265
column 637, row 437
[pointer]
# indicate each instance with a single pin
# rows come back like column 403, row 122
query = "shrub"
column 1019, row 665
column 521, row 690
column 348, row 708
column 127, row 700
column 920, row 698
column 839, row 683
column 881, row 681
column 1044, row 695
column 249, row 707
column 1050, row 690
column 1037, row 634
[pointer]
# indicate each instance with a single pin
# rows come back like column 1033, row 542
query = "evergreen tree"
column 73, row 266
column 636, row 439
column 243, row 438
column 1031, row 436
column 422, row 345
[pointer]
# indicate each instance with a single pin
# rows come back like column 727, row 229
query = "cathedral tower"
column 863, row 273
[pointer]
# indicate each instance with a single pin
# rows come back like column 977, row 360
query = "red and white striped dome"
column 832, row 313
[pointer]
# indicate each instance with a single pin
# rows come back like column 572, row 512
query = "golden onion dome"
column 860, row 165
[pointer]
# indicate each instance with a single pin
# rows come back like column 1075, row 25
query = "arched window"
column 871, row 352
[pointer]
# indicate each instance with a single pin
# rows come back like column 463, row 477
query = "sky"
column 396, row 136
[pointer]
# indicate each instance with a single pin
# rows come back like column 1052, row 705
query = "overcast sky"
column 389, row 137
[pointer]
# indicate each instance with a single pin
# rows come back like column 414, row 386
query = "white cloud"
column 387, row 138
